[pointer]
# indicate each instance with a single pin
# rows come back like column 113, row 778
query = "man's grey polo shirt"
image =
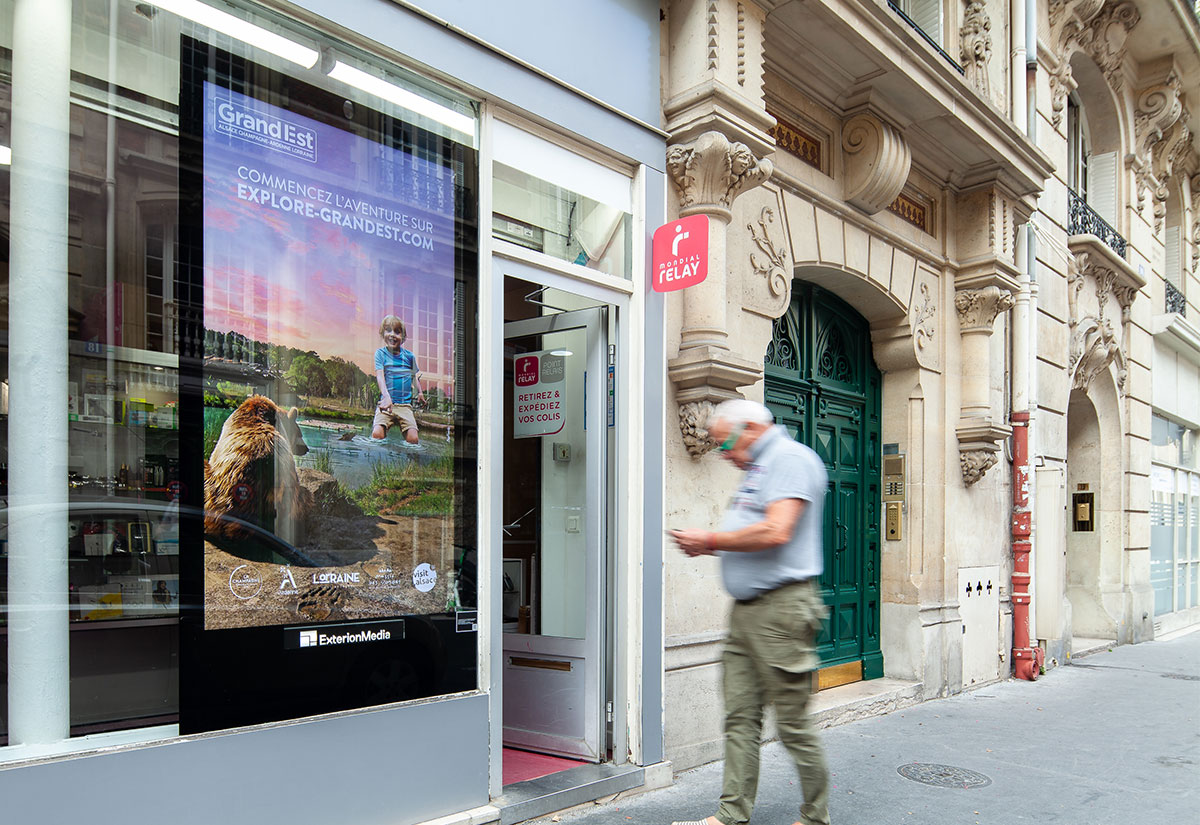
column 782, row 468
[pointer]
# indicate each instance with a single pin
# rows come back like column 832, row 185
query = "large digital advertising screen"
column 328, row 371
column 328, row 388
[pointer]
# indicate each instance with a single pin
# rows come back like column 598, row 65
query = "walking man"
column 770, row 550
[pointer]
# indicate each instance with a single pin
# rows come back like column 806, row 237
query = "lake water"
column 352, row 462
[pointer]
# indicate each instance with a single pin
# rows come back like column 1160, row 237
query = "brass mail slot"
column 544, row 664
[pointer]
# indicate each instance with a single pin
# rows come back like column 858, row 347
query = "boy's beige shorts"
column 401, row 414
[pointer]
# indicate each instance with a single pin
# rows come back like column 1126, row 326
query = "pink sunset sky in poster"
column 281, row 268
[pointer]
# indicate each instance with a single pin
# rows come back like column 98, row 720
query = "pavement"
column 1113, row 737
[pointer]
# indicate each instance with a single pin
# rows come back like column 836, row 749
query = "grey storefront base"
column 392, row 765
column 558, row 791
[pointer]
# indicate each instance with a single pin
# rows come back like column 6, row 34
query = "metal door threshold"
column 565, row 789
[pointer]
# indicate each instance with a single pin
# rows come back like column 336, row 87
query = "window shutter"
column 928, row 15
column 1174, row 257
column 1102, row 194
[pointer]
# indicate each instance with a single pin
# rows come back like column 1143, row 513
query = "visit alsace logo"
column 680, row 253
column 238, row 121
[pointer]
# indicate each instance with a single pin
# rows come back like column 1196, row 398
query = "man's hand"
column 776, row 528
column 693, row 542
column 385, row 402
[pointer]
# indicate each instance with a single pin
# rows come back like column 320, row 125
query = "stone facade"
column 830, row 144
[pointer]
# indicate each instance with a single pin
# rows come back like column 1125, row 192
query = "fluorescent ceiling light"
column 240, row 29
column 403, row 97
column 5, row 156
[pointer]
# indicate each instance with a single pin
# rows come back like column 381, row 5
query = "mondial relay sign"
column 680, row 253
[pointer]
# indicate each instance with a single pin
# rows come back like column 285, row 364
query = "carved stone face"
column 740, row 159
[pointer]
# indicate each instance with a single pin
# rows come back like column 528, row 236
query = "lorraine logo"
column 526, row 369
column 308, row 638
column 242, row 122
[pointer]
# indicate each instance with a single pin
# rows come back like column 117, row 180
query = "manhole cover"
column 943, row 776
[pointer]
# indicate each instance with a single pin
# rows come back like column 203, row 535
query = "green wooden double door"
column 823, row 385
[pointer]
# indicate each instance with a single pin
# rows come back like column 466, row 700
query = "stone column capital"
column 978, row 308
column 711, row 172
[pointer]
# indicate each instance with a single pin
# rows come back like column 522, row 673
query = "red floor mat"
column 522, row 765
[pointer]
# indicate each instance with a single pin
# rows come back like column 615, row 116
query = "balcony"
column 1083, row 220
column 1175, row 300
column 925, row 36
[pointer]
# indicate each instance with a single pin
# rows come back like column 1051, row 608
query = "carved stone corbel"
column 1168, row 156
column 1096, row 339
column 975, row 463
column 1159, row 106
column 979, row 436
column 975, row 46
column 877, row 161
column 704, row 377
column 709, row 173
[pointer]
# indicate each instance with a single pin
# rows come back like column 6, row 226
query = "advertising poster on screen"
column 328, row 272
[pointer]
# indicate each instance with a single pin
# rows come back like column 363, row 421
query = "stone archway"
column 1095, row 580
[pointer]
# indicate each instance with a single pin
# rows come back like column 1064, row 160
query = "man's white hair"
column 740, row 411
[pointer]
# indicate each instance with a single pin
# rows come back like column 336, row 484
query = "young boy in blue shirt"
column 397, row 374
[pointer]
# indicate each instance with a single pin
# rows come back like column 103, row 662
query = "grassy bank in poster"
column 328, row 371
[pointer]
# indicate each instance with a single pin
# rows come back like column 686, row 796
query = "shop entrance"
column 557, row 426
column 823, row 385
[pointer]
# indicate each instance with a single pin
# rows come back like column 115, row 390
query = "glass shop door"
column 554, row 532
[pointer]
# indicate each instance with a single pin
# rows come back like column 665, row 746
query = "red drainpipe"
column 1027, row 661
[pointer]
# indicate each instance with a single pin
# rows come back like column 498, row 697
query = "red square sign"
column 526, row 370
column 680, row 253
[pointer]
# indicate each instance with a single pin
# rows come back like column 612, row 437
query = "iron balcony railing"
column 1175, row 299
column 1083, row 220
column 925, row 36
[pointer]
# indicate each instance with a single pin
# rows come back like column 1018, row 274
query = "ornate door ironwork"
column 823, row 385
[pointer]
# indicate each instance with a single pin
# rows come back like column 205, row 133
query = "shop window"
column 246, row 217
column 1174, row 517
column 553, row 201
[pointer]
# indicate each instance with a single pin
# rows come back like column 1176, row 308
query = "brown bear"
column 251, row 473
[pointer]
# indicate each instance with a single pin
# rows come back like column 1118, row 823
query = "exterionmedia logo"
column 341, row 635
column 265, row 129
